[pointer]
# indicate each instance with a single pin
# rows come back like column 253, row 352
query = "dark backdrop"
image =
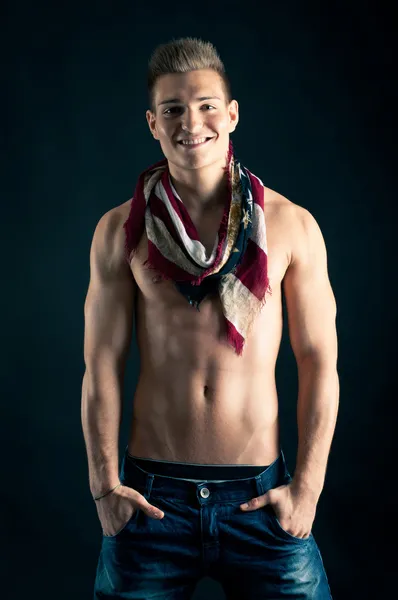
column 317, row 95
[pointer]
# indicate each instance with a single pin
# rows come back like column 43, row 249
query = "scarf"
column 237, row 267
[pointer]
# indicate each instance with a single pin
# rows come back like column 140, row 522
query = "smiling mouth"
column 192, row 146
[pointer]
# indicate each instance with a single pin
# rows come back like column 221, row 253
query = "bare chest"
column 164, row 317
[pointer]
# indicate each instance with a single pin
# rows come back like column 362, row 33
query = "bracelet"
column 99, row 497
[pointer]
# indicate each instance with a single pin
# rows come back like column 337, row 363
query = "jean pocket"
column 128, row 523
column 279, row 529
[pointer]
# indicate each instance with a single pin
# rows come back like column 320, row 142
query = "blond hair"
column 181, row 56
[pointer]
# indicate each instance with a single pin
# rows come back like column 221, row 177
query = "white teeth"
column 192, row 143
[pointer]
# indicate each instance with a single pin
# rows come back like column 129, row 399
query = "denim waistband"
column 194, row 471
column 182, row 490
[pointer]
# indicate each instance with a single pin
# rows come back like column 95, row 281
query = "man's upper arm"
column 309, row 297
column 109, row 305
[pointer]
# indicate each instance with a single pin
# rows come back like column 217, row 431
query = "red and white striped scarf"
column 237, row 268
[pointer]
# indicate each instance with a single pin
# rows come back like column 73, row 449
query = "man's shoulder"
column 109, row 233
column 111, row 222
column 291, row 222
column 119, row 212
column 290, row 213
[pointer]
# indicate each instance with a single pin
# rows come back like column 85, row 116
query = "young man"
column 199, row 255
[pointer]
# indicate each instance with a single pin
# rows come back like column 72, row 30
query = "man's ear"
column 151, row 120
column 233, row 111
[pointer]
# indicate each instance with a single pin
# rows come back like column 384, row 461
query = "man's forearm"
column 317, row 408
column 101, row 412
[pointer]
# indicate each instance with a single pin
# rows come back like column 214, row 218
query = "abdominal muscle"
column 197, row 401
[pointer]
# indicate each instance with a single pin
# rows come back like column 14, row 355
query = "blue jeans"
column 205, row 533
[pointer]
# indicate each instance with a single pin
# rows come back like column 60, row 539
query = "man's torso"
column 196, row 400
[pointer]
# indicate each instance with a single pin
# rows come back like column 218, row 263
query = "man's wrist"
column 307, row 488
column 104, row 494
column 104, row 488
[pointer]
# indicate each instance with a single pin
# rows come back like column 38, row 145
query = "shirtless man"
column 204, row 437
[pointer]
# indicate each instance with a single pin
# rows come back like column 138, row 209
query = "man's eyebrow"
column 172, row 100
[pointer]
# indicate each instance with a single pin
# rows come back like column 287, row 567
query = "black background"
column 316, row 85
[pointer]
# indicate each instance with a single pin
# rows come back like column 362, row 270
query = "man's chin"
column 199, row 162
column 193, row 160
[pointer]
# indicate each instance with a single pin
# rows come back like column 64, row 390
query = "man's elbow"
column 320, row 359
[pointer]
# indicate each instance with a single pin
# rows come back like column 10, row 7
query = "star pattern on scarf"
column 246, row 219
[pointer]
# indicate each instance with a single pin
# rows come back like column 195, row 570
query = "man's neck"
column 200, row 190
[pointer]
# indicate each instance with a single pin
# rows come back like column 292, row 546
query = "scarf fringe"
column 234, row 338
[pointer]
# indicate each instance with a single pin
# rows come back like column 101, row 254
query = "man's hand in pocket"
column 117, row 508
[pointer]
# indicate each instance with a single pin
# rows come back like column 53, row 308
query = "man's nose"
column 192, row 122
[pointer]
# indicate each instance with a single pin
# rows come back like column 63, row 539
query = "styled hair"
column 181, row 56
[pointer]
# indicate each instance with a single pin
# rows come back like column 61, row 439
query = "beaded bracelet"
column 99, row 497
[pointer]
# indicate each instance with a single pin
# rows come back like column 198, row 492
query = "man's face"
column 180, row 115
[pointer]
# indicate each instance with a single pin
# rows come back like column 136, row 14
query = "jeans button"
column 204, row 492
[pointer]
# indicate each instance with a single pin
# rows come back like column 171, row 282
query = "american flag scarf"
column 237, row 267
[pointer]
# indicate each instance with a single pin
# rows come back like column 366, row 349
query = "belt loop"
column 148, row 485
column 122, row 469
column 259, row 485
column 286, row 473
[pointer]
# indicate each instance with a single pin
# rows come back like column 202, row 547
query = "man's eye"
column 174, row 108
